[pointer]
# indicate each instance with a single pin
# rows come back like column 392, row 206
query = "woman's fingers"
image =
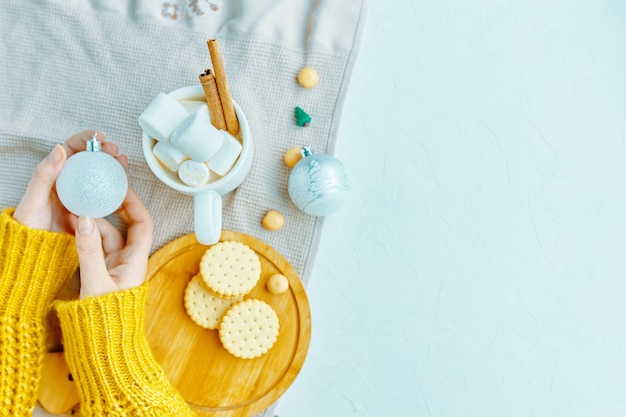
column 34, row 209
column 112, row 239
column 123, row 160
column 140, row 225
column 94, row 276
column 77, row 143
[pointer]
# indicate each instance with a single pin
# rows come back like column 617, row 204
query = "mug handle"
column 207, row 217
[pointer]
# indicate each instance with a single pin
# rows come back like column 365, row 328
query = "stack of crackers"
column 214, row 299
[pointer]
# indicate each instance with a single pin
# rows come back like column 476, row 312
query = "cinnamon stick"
column 222, row 87
column 207, row 79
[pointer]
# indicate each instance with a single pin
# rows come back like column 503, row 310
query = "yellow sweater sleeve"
column 34, row 266
column 108, row 354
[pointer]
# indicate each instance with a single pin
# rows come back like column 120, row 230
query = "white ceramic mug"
column 207, row 198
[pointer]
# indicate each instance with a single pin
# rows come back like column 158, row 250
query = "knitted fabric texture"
column 34, row 266
column 109, row 356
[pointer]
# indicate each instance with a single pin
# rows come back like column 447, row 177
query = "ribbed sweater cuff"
column 109, row 356
column 35, row 264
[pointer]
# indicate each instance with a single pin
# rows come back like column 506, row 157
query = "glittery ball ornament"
column 92, row 183
column 318, row 184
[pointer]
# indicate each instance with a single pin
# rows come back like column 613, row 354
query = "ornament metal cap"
column 306, row 151
column 93, row 144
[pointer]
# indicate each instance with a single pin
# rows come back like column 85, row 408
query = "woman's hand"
column 107, row 262
column 40, row 207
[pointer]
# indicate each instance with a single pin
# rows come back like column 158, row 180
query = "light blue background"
column 478, row 268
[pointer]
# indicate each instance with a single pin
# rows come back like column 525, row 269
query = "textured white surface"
column 478, row 268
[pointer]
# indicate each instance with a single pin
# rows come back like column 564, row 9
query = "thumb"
column 94, row 277
column 47, row 172
column 36, row 198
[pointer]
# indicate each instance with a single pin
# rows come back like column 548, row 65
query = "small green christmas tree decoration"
column 302, row 118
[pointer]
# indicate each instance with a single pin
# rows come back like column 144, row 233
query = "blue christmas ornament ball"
column 318, row 184
column 92, row 183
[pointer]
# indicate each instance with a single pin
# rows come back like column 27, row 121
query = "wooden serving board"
column 211, row 380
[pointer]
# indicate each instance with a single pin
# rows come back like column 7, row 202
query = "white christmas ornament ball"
column 92, row 183
column 318, row 184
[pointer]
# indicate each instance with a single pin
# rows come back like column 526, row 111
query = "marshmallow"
column 197, row 137
column 161, row 117
column 225, row 158
column 193, row 106
column 193, row 173
column 168, row 155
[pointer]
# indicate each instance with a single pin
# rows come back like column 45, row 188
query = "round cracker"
column 249, row 328
column 230, row 269
column 203, row 307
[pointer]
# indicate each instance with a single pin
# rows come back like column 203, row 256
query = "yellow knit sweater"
column 105, row 345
